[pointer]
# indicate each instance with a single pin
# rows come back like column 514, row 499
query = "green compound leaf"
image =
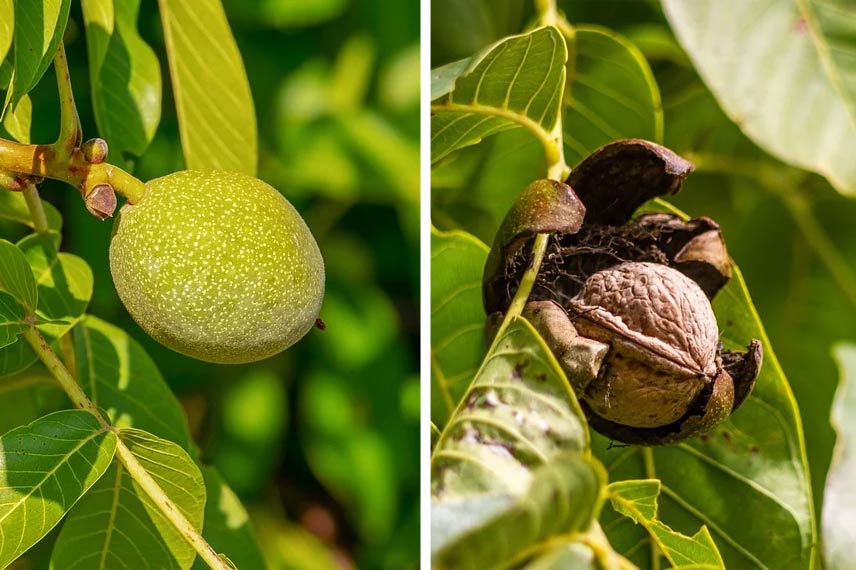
column 120, row 377
column 839, row 504
column 39, row 27
column 515, row 82
column 784, row 71
column 519, row 411
column 16, row 278
column 116, row 525
column 638, row 501
column 612, row 94
column 45, row 467
column 13, row 207
column 125, row 76
column 216, row 115
column 492, row 530
column 457, row 318
column 227, row 525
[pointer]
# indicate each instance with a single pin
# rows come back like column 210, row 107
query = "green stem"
column 37, row 211
column 126, row 457
column 515, row 309
column 527, row 282
column 70, row 133
column 55, row 366
column 651, row 473
column 608, row 559
column 548, row 15
column 44, row 161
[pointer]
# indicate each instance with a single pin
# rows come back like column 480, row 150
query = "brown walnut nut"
column 624, row 303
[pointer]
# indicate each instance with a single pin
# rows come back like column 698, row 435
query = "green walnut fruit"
column 218, row 266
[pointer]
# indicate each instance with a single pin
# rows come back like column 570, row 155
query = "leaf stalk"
column 79, row 398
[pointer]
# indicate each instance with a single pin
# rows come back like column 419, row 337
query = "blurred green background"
column 321, row 442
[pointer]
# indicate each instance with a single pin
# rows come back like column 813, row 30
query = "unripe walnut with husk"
column 624, row 304
column 218, row 266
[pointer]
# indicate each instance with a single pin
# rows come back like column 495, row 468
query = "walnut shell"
column 664, row 340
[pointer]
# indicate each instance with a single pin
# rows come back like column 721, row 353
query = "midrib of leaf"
column 826, row 59
column 117, row 489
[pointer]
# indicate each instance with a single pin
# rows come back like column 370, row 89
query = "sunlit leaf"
column 457, row 318
column 39, row 27
column 490, row 530
column 64, row 282
column 783, row 71
column 216, row 115
column 117, row 524
column 839, row 505
column 638, row 501
column 16, row 278
column 571, row 555
column 517, row 81
column 7, row 26
column 13, row 319
column 125, row 76
column 518, row 412
column 45, row 467
column 17, row 121
column 227, row 525
column 612, row 94
column 118, row 375
column 13, row 207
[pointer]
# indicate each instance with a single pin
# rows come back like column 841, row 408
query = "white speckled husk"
column 218, row 266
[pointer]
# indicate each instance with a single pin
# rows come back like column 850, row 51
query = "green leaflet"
column 12, row 320
column 216, row 116
column 13, row 207
column 457, row 318
column 519, row 411
column 17, row 122
column 638, row 501
column 125, row 77
column 64, row 285
column 16, row 278
column 752, row 54
column 120, row 377
column 491, row 530
column 612, row 94
column 517, row 81
column 64, row 282
column 46, row 467
column 7, row 26
column 39, row 27
column 117, row 525
column 511, row 467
